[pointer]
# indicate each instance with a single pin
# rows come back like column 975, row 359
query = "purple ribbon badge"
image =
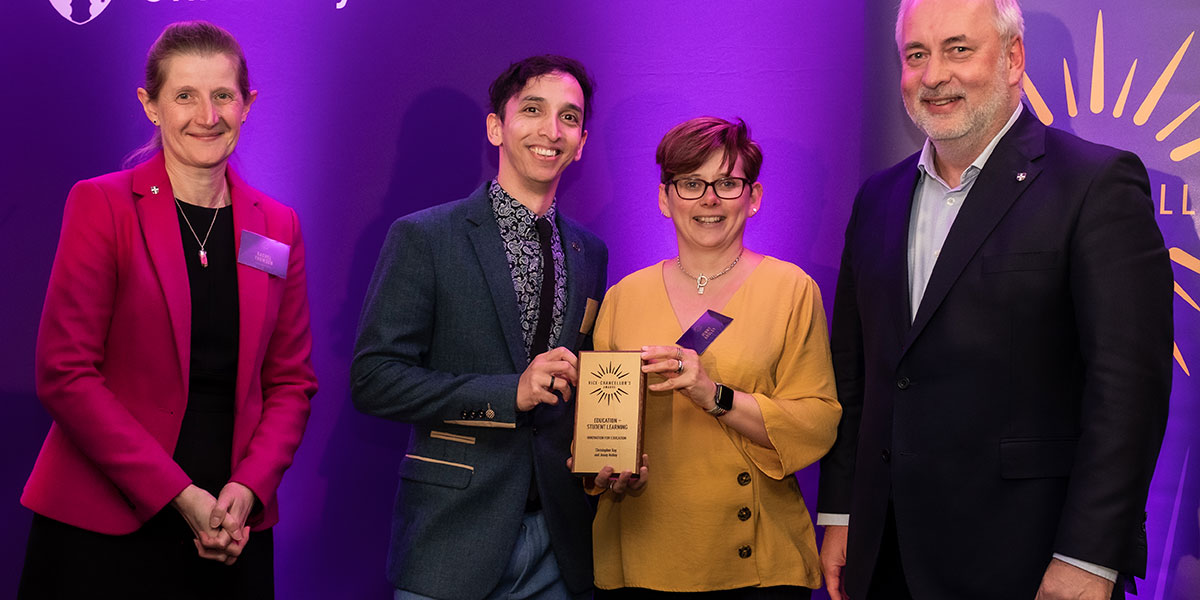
column 264, row 254
column 704, row 331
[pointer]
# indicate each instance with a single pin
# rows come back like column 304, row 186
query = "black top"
column 205, row 445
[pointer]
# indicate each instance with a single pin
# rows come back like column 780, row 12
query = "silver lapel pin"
column 1021, row 176
column 154, row 189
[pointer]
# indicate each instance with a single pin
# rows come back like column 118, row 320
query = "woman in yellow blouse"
column 726, row 428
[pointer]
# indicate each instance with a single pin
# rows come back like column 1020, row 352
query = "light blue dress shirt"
column 935, row 206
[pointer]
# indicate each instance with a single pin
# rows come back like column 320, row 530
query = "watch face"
column 725, row 397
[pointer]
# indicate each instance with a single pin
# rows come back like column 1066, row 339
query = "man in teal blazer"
column 469, row 333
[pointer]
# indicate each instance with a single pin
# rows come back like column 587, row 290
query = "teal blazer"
column 439, row 346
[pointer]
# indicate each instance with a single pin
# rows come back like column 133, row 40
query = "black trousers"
column 157, row 561
column 887, row 580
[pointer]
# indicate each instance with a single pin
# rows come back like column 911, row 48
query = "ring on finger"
column 679, row 354
column 679, row 369
column 551, row 386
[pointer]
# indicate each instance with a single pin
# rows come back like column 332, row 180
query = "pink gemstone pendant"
column 203, row 259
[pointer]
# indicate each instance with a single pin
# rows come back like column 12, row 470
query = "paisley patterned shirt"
column 520, row 236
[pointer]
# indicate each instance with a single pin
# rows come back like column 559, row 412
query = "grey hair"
column 1009, row 21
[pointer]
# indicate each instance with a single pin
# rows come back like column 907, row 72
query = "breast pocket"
column 1021, row 261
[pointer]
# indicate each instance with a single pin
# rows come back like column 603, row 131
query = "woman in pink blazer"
column 173, row 355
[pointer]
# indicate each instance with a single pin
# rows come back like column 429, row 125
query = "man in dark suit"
column 469, row 333
column 1002, row 341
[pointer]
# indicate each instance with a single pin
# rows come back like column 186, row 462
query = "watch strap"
column 722, row 400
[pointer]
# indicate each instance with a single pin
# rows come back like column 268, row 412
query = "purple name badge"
column 264, row 254
column 704, row 331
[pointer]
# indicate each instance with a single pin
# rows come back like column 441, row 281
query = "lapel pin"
column 1021, row 176
column 575, row 246
column 154, row 190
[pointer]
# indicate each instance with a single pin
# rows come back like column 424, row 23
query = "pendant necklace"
column 702, row 279
column 203, row 254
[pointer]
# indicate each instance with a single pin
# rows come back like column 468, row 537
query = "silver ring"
column 679, row 369
column 551, row 388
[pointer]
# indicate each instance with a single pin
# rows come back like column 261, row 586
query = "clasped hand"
column 219, row 524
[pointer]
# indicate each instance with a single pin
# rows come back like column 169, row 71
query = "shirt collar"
column 503, row 204
column 925, row 163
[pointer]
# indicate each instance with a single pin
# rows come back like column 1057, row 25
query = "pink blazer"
column 113, row 353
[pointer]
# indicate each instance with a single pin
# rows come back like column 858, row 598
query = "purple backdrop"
column 376, row 109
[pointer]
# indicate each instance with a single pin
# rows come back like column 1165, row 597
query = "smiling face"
column 710, row 223
column 198, row 109
column 541, row 133
column 959, row 77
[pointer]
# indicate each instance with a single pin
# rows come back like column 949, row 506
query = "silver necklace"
column 203, row 254
column 702, row 279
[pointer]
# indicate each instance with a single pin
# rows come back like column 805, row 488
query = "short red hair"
column 688, row 144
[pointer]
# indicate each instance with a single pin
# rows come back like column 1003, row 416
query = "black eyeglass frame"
column 711, row 184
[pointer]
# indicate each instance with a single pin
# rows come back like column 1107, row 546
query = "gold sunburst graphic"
column 1182, row 258
column 1096, row 103
column 609, row 390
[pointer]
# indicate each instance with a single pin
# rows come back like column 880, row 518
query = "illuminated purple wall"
column 374, row 110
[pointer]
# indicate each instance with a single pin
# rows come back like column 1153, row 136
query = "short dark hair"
column 688, row 144
column 513, row 80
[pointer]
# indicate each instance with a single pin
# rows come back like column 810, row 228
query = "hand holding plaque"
column 610, row 406
column 609, row 411
column 680, row 364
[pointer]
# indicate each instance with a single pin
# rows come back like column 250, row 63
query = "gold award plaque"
column 609, row 407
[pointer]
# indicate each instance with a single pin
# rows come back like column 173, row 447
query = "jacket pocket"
column 1021, row 261
column 437, row 472
column 452, row 437
column 1028, row 458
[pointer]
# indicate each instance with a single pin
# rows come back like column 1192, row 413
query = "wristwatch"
column 723, row 398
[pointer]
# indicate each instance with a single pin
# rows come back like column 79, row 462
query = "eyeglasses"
column 727, row 188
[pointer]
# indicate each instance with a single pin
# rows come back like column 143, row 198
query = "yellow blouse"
column 718, row 511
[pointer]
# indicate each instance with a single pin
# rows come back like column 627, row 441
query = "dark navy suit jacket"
column 1020, row 414
column 440, row 346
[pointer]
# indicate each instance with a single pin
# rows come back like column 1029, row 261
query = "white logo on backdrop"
column 79, row 12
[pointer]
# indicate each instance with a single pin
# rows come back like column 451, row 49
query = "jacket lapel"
column 578, row 275
column 484, row 234
column 251, row 283
column 155, row 205
column 1008, row 173
column 895, row 249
